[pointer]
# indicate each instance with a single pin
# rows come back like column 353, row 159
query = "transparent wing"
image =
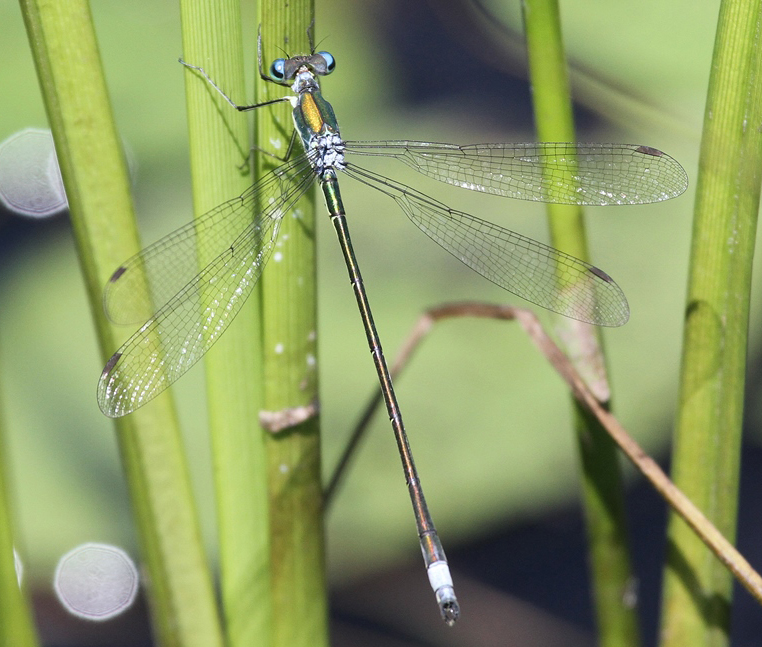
column 147, row 281
column 538, row 273
column 586, row 174
column 189, row 321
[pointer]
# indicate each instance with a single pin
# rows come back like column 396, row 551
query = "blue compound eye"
column 330, row 62
column 278, row 69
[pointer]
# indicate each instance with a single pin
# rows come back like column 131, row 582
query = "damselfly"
column 187, row 309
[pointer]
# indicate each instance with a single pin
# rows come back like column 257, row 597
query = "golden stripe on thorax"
column 313, row 117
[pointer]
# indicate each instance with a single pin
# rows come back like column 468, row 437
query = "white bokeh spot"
column 30, row 180
column 96, row 581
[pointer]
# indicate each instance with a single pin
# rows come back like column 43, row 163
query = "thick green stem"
column 697, row 594
column 220, row 168
column 602, row 482
column 68, row 65
column 16, row 626
column 289, row 328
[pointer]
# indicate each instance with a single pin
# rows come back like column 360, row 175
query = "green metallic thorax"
column 314, row 116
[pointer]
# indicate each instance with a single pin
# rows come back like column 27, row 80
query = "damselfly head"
column 285, row 69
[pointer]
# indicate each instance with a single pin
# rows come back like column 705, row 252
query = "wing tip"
column 117, row 274
column 105, row 402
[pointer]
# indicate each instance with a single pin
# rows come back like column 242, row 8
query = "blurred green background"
column 488, row 420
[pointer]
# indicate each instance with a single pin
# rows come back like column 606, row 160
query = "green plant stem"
column 220, row 169
column 602, row 482
column 16, row 626
column 290, row 353
column 89, row 152
column 706, row 454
